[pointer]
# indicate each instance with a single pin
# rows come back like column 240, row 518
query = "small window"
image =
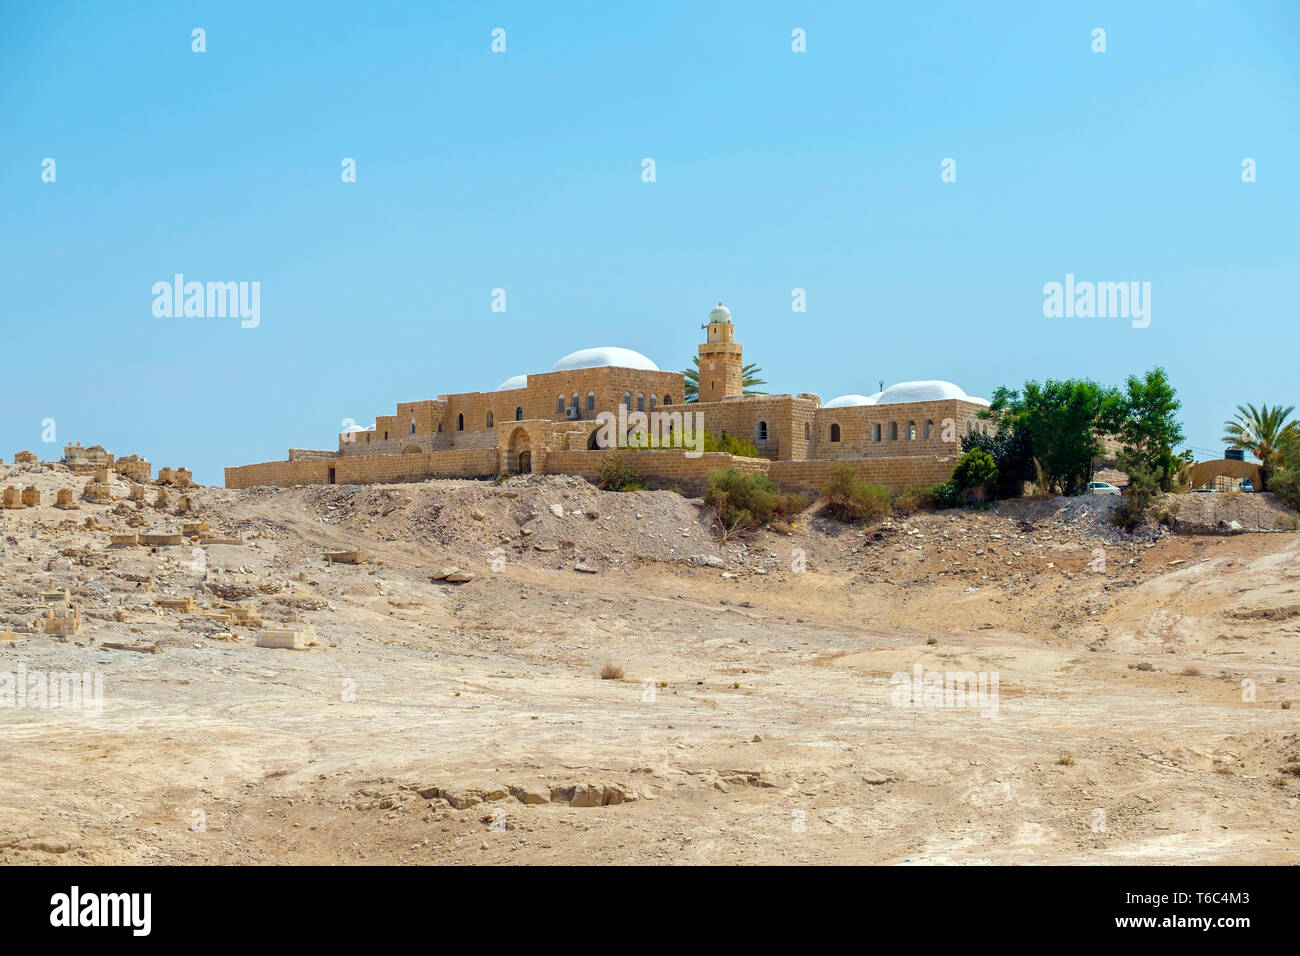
column 559, row 404
column 807, row 431
column 627, row 400
column 911, row 431
column 489, row 420
column 668, row 399
column 640, row 402
column 573, row 402
column 893, row 431
column 460, row 423
column 519, row 414
column 875, row 432
column 929, row 426
column 761, row 432
column 835, row 433
column 654, row 403
column 591, row 401
column 439, row 426
column 412, row 426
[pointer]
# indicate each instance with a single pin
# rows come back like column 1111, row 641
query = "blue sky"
column 775, row 170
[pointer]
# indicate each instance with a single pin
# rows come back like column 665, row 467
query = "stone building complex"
column 551, row 422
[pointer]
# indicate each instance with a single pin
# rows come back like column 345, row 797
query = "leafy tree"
column 1142, row 416
column 1060, row 420
column 749, row 377
column 1144, row 486
column 1261, row 431
column 1012, row 453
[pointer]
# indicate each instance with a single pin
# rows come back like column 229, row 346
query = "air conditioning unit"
column 571, row 413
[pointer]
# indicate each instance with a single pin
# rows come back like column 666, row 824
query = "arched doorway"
column 519, row 453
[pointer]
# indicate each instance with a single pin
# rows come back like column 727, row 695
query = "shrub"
column 914, row 499
column 1137, row 505
column 1285, row 485
column 611, row 672
column 976, row 470
column 946, row 494
column 617, row 474
column 851, row 500
column 741, row 500
column 740, row 447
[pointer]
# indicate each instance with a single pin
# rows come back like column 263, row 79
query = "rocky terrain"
column 749, row 710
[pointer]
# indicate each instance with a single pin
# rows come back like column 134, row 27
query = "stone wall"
column 894, row 473
column 371, row 469
column 866, row 430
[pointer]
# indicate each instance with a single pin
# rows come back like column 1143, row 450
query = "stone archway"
column 519, row 453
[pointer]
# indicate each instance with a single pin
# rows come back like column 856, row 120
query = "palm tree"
column 1261, row 431
column 749, row 376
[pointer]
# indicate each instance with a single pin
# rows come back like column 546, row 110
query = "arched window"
column 835, row 433
column 519, row 414
column 911, row 431
column 489, row 420
column 807, row 431
column 412, row 426
column 627, row 400
column 559, row 404
column 654, row 403
column 460, row 423
column 668, row 399
column 929, row 426
column 591, row 401
column 640, row 402
column 893, row 431
column 760, row 433
column 875, row 432
column 439, row 426
column 573, row 401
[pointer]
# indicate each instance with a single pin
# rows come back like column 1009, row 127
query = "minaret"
column 720, row 362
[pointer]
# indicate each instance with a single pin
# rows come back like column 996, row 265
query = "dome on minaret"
column 720, row 314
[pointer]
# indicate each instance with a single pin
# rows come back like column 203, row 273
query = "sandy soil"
column 755, row 720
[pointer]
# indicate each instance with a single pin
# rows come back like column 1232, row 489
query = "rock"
column 428, row 793
column 459, row 577
column 757, row 739
column 442, row 575
column 557, row 510
column 585, row 568
column 709, row 560
column 494, row 793
column 476, row 515
column 588, row 795
column 461, row 799
column 531, row 795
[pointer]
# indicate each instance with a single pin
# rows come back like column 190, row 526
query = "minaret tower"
column 720, row 362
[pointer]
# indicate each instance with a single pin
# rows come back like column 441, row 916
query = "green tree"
column 1143, row 416
column 749, row 377
column 1061, row 420
column 1261, row 431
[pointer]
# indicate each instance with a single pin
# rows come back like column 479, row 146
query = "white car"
column 1102, row 488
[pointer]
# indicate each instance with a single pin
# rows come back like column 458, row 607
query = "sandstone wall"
column 467, row 463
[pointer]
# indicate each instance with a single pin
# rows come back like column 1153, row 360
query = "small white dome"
column 932, row 391
column 720, row 314
column 849, row 401
column 514, row 381
column 606, row 355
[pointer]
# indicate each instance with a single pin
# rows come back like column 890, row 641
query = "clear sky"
column 522, row 170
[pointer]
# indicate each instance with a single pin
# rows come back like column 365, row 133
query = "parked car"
column 1102, row 488
column 1246, row 485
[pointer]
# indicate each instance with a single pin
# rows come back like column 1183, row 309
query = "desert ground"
column 1142, row 712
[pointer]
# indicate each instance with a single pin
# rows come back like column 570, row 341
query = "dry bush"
column 611, row 672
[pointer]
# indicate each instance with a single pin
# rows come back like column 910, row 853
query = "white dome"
column 514, row 381
column 720, row 314
column 849, row 401
column 606, row 355
column 933, row 391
